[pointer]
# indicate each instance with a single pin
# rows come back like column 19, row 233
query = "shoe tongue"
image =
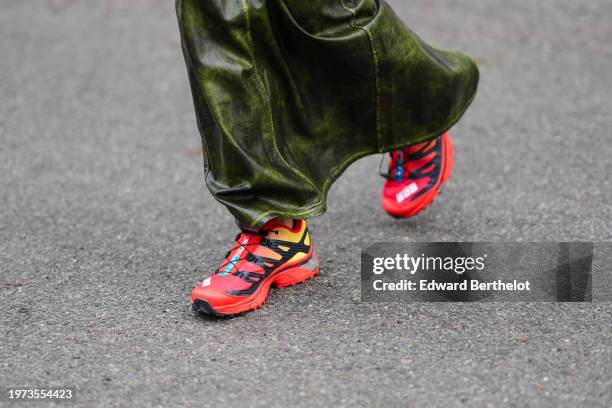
column 275, row 224
column 236, row 257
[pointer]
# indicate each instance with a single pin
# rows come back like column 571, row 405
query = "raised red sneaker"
column 416, row 175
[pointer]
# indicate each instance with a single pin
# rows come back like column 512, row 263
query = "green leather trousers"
column 288, row 93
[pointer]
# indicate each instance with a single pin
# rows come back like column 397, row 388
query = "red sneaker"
column 278, row 255
column 416, row 175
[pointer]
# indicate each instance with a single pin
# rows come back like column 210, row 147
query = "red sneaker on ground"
column 416, row 175
column 278, row 255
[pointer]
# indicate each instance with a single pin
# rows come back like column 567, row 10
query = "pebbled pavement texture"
column 106, row 224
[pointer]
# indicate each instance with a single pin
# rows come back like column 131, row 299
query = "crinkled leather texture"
column 288, row 93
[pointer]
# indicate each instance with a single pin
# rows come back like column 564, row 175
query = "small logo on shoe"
column 405, row 193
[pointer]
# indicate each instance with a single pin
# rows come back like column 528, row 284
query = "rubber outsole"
column 202, row 307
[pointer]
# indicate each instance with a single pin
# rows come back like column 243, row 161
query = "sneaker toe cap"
column 213, row 297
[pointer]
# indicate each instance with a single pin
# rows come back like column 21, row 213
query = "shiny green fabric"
column 288, row 93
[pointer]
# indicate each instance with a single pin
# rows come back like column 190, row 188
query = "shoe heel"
column 298, row 274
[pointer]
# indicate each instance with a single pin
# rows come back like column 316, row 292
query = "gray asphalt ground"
column 105, row 219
